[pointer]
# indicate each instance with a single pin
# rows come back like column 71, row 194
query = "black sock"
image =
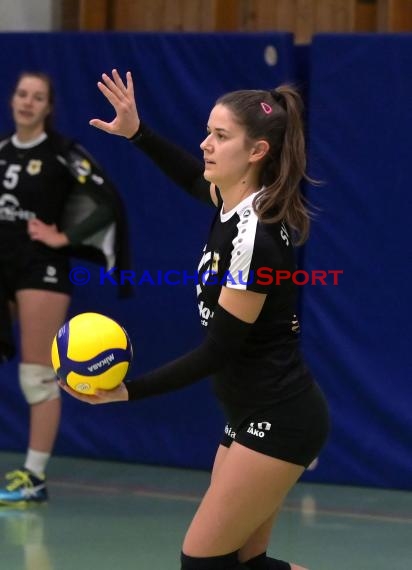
column 257, row 563
column 225, row 562
column 263, row 562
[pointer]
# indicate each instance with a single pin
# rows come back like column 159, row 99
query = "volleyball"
column 91, row 352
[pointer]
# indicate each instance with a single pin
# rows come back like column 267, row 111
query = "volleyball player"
column 46, row 181
column 277, row 418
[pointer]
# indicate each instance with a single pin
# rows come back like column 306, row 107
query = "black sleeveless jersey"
column 246, row 254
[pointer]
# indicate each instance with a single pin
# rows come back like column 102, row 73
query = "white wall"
column 27, row 15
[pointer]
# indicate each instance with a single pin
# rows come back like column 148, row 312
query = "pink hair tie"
column 266, row 108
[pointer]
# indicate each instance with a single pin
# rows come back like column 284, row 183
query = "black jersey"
column 246, row 254
column 33, row 184
column 55, row 180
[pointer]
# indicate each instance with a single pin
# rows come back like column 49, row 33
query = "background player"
column 40, row 172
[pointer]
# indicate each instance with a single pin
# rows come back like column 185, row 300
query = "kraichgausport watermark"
column 263, row 276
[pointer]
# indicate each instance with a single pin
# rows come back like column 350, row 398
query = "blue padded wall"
column 357, row 335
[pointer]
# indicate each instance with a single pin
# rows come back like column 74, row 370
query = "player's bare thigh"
column 40, row 314
column 259, row 541
column 247, row 488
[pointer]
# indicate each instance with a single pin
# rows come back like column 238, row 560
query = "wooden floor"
column 115, row 516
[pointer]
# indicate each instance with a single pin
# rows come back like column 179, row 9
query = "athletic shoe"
column 23, row 489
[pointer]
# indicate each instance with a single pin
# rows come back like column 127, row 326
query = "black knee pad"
column 263, row 562
column 225, row 562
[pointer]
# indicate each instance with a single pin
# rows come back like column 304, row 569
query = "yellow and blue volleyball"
column 91, row 352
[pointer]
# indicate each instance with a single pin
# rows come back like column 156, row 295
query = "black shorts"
column 293, row 430
column 45, row 269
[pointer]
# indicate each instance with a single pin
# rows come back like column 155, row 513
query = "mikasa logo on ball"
column 104, row 362
column 82, row 386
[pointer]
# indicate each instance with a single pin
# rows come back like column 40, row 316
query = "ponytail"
column 276, row 116
column 281, row 198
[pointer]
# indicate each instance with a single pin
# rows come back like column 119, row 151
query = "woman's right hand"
column 126, row 122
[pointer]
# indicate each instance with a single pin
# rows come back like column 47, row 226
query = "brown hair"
column 48, row 121
column 276, row 117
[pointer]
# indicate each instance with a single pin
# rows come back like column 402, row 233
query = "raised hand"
column 126, row 122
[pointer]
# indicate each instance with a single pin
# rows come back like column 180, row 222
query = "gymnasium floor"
column 114, row 516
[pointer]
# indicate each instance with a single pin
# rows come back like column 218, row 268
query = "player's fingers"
column 111, row 85
column 67, row 388
column 63, row 386
column 36, row 225
column 102, row 125
column 129, row 84
column 88, row 399
column 119, row 82
column 112, row 97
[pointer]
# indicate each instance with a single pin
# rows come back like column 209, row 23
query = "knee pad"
column 38, row 383
column 225, row 562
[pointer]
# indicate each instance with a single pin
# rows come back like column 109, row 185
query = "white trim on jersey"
column 243, row 244
column 243, row 247
column 29, row 144
column 205, row 258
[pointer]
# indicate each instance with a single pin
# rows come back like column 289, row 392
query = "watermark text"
column 263, row 276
